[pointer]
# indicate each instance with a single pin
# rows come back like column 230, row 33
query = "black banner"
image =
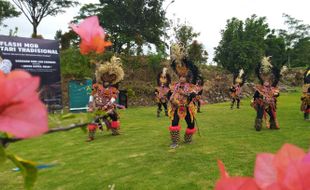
column 40, row 58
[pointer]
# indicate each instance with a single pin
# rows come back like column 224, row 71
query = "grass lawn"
column 140, row 158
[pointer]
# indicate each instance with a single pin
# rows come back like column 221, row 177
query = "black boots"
column 273, row 124
column 258, row 124
column 166, row 113
column 159, row 110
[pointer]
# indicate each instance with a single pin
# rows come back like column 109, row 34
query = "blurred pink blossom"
column 92, row 35
column 22, row 114
column 289, row 169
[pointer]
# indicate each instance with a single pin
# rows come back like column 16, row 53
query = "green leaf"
column 2, row 154
column 28, row 169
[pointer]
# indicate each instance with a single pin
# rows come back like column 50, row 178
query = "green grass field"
column 140, row 158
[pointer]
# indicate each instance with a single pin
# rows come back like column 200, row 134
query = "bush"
column 74, row 65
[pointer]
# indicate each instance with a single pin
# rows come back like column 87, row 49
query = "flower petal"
column 92, row 35
column 19, row 89
column 18, row 74
column 88, row 28
column 265, row 173
column 297, row 176
column 25, row 120
column 221, row 167
column 287, row 154
column 236, row 183
column 307, row 158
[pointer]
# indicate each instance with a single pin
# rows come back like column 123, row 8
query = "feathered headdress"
column 163, row 77
column 181, row 65
column 240, row 79
column 177, row 55
column 177, row 52
column 307, row 76
column 284, row 70
column 112, row 69
column 265, row 67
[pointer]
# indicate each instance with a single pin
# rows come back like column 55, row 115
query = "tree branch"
column 5, row 141
column 20, row 6
column 70, row 127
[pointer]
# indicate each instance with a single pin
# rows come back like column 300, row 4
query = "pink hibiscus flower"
column 92, row 36
column 234, row 183
column 22, row 114
column 289, row 169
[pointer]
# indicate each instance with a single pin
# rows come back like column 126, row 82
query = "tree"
column 185, row 34
column 242, row 44
column 36, row 10
column 296, row 30
column 67, row 40
column 300, row 56
column 129, row 23
column 296, row 39
column 7, row 10
column 196, row 53
column 275, row 47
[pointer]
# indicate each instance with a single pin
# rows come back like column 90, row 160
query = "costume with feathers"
column 265, row 97
column 235, row 89
column 183, row 93
column 104, row 95
column 162, row 91
column 305, row 98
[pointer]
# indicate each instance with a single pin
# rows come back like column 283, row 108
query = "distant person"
column 5, row 65
column 265, row 97
column 199, row 91
column 162, row 91
column 235, row 89
column 305, row 98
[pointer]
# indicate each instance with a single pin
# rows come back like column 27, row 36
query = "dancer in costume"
column 265, row 97
column 235, row 89
column 182, row 95
column 199, row 91
column 162, row 91
column 305, row 98
column 104, row 95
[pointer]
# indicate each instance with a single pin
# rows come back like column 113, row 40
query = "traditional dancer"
column 199, row 91
column 305, row 98
column 265, row 97
column 235, row 89
column 162, row 91
column 183, row 93
column 104, row 95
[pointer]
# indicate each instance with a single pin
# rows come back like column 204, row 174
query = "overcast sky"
column 206, row 16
